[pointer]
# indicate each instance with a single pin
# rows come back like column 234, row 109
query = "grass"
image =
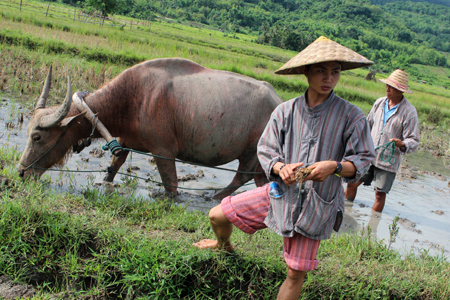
column 102, row 245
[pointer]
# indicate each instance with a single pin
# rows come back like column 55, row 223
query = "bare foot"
column 212, row 244
column 206, row 244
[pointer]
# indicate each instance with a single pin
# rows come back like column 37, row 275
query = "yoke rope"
column 391, row 155
column 191, row 163
column 110, row 170
column 186, row 188
column 113, row 145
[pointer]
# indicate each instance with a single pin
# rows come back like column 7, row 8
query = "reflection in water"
column 423, row 203
column 352, row 214
column 372, row 226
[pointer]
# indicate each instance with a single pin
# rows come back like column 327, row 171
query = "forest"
column 395, row 34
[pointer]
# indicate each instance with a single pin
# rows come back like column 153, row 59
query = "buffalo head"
column 47, row 143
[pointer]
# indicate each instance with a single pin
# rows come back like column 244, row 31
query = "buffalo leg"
column 168, row 173
column 245, row 165
column 260, row 179
column 116, row 163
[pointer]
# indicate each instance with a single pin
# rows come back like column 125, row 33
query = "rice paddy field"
column 83, row 48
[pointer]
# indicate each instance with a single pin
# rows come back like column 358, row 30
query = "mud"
column 97, row 153
column 190, row 176
column 409, row 225
column 302, row 173
column 421, row 200
column 10, row 290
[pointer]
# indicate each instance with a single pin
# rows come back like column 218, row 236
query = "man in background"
column 393, row 123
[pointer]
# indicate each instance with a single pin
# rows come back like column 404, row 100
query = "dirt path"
column 11, row 290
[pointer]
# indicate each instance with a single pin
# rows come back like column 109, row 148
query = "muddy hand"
column 287, row 173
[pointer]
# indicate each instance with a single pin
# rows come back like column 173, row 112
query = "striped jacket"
column 403, row 124
column 334, row 130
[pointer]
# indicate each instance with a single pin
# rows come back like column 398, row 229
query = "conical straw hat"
column 322, row 50
column 398, row 80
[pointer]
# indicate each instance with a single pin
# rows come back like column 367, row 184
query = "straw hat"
column 322, row 50
column 398, row 80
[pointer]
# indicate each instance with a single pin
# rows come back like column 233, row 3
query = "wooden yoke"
column 82, row 106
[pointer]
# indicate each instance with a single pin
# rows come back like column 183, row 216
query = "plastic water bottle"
column 275, row 190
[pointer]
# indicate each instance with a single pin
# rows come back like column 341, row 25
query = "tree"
column 105, row 6
column 405, row 36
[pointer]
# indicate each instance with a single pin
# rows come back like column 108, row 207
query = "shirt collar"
column 319, row 107
column 401, row 101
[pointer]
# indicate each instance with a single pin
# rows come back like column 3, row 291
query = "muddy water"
column 420, row 198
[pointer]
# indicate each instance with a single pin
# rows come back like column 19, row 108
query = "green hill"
column 439, row 2
column 394, row 34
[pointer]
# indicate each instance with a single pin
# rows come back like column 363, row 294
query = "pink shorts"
column 247, row 211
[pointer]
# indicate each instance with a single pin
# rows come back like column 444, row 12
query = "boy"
column 318, row 130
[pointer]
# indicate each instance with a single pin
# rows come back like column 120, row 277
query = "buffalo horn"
column 43, row 98
column 56, row 117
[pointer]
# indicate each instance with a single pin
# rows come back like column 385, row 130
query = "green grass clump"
column 106, row 247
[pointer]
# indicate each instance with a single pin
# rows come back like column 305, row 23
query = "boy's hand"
column 287, row 172
column 321, row 170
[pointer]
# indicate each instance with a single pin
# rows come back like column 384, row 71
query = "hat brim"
column 346, row 65
column 324, row 50
column 390, row 83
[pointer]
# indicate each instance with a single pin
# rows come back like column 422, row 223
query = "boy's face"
column 323, row 77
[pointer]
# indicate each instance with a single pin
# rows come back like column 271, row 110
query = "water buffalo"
column 171, row 107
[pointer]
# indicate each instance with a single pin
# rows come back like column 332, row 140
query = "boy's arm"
column 323, row 169
column 359, row 149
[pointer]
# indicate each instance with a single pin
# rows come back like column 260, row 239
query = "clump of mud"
column 10, row 290
column 409, row 225
column 405, row 173
column 190, row 176
column 302, row 173
column 97, row 153
column 133, row 168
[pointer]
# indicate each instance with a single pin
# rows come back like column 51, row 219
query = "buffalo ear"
column 70, row 121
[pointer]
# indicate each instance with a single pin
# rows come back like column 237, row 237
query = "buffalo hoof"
column 163, row 194
column 109, row 177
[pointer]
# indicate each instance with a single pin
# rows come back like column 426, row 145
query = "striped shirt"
column 403, row 124
column 333, row 130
